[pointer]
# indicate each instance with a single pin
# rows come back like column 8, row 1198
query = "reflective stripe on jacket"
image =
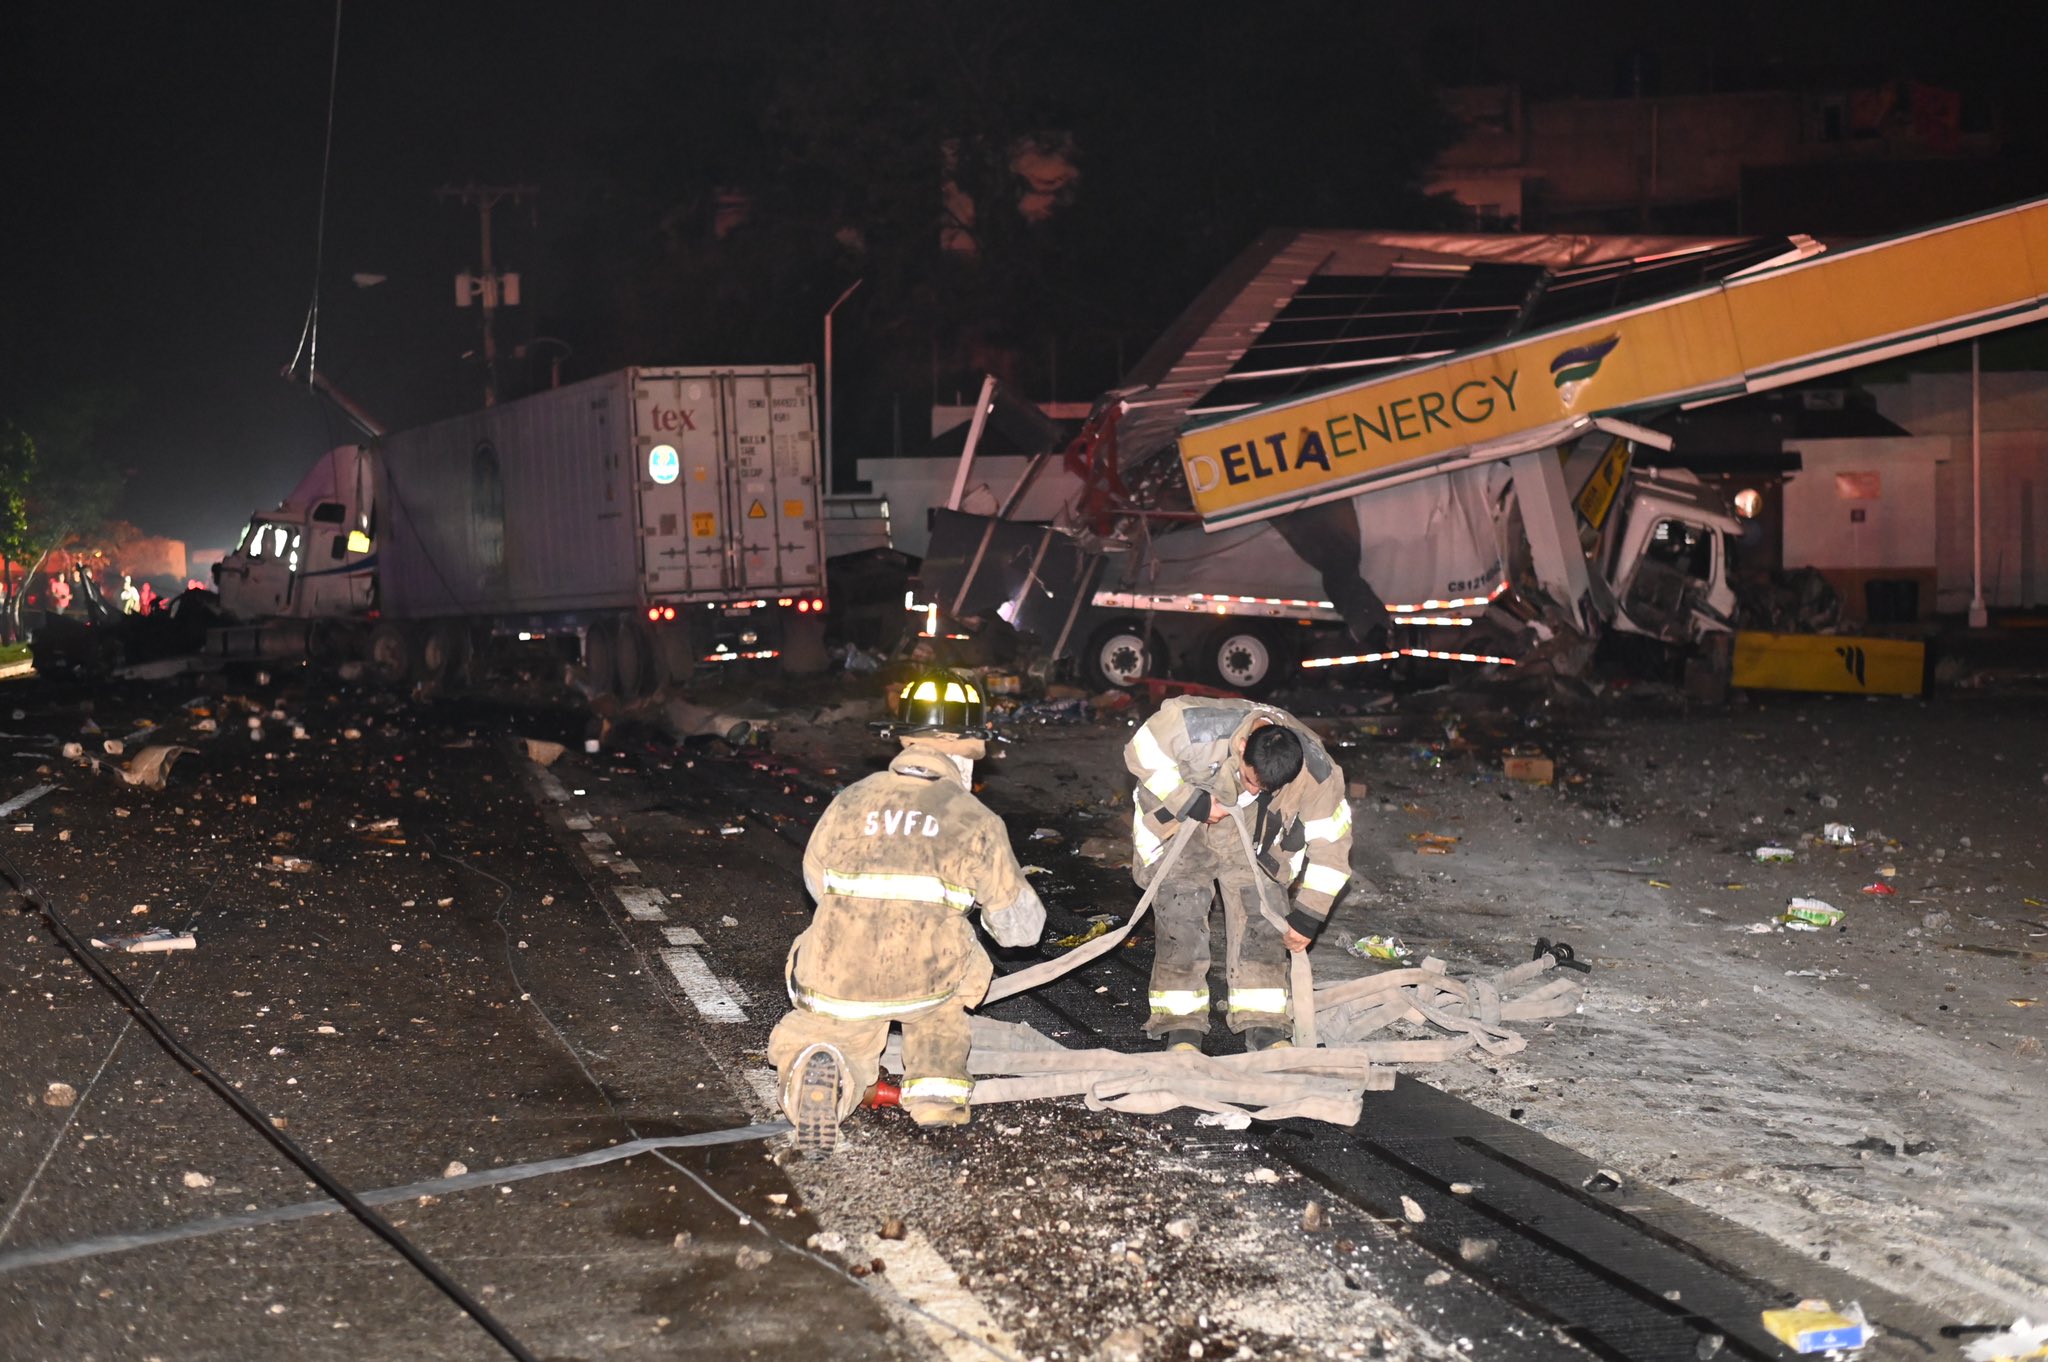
column 1186, row 756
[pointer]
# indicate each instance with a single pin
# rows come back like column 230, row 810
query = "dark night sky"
column 164, row 176
column 162, row 164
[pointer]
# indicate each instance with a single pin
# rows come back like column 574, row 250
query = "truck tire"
column 443, row 653
column 391, row 658
column 1121, row 654
column 634, row 660
column 1248, row 658
column 675, row 652
column 601, row 658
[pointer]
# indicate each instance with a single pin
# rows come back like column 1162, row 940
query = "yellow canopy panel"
column 1757, row 331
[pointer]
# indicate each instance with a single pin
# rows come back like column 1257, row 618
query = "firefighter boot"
column 1185, row 1039
column 816, row 1081
column 1266, row 1038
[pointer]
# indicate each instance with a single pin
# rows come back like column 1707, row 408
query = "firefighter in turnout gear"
column 1197, row 760
column 896, row 864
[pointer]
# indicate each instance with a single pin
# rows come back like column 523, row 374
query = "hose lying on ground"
column 260, row 1120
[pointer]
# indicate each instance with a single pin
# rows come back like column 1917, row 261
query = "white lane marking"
column 918, row 1275
column 704, row 990
column 609, row 857
column 552, row 788
column 767, row 1086
column 644, row 905
column 598, row 839
column 576, row 822
column 24, row 799
column 682, row 936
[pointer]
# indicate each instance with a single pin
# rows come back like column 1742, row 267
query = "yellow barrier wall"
column 1828, row 662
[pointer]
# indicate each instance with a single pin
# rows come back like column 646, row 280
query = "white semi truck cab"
column 312, row 558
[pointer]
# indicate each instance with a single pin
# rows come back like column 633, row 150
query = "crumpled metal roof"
column 1303, row 310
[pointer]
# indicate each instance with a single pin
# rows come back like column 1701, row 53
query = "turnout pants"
column 936, row 1082
column 1255, row 957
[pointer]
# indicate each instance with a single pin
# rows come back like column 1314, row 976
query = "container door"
column 775, row 481
column 678, row 424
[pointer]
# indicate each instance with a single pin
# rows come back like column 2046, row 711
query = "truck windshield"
column 1688, row 548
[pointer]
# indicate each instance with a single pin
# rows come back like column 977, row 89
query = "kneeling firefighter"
column 896, row 864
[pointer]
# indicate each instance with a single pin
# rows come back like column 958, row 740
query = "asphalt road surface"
column 415, row 948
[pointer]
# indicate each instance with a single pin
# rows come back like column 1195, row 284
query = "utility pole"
column 488, row 286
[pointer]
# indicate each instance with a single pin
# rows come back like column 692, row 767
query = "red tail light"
column 668, row 612
column 653, row 613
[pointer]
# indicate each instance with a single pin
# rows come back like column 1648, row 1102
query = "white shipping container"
column 642, row 487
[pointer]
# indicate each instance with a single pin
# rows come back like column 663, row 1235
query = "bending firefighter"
column 896, row 864
column 1199, row 760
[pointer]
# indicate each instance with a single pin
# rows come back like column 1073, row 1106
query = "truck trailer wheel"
column 634, row 659
column 1122, row 653
column 1245, row 657
column 601, row 658
column 443, row 653
column 675, row 652
column 391, row 657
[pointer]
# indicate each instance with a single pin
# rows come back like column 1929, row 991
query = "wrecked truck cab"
column 1669, row 559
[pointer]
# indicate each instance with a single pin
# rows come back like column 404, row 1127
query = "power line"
column 309, row 334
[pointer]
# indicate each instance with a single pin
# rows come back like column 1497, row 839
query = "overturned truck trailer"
column 1429, row 446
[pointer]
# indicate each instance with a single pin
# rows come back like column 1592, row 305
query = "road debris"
column 1379, row 948
column 1810, row 915
column 543, row 753
column 1095, row 928
column 151, row 767
column 2025, row 1341
column 1814, row 1326
column 59, row 1095
column 1771, row 851
column 142, row 943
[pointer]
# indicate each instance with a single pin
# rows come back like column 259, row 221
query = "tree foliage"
column 794, row 148
column 17, row 470
column 72, row 480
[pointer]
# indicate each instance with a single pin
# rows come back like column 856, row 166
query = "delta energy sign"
column 1759, row 331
